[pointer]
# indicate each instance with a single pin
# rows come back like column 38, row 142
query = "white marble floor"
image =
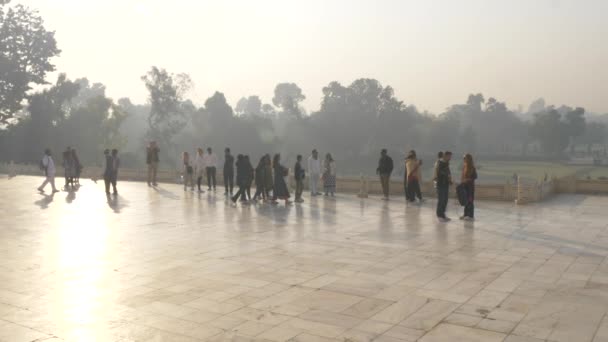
column 168, row 265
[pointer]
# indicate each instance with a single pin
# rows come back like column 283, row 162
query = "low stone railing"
column 364, row 186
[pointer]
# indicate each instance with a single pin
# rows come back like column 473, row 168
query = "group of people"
column 269, row 176
column 442, row 179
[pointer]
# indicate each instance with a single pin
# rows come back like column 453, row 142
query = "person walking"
column 77, row 167
column 210, row 166
column 115, row 166
column 329, row 175
column 268, row 178
column 108, row 170
column 314, row 172
column 413, row 177
column 260, row 180
column 249, row 176
column 280, row 187
column 444, row 180
column 228, row 172
column 152, row 160
column 199, row 168
column 384, row 170
column 299, row 175
column 48, row 166
column 241, row 179
column 187, row 171
column 467, row 178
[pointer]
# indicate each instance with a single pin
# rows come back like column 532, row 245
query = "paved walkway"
column 164, row 265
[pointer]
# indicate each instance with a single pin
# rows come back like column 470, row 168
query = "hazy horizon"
column 433, row 53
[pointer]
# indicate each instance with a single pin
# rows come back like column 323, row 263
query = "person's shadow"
column 116, row 203
column 45, row 201
column 166, row 193
column 71, row 196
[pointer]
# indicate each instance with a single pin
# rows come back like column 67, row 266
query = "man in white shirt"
column 48, row 165
column 314, row 171
column 210, row 160
column 199, row 167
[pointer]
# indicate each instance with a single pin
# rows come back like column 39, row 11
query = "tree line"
column 353, row 122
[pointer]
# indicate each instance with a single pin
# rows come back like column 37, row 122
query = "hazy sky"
column 433, row 52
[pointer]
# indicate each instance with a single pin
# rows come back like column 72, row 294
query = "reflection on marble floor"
column 169, row 265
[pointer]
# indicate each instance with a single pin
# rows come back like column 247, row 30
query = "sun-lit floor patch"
column 167, row 265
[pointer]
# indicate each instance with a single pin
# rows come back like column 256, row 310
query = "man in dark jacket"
column 299, row 175
column 228, row 172
column 444, row 180
column 385, row 168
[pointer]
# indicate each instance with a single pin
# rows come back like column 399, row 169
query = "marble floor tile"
column 160, row 264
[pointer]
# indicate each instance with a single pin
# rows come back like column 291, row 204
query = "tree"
column 218, row 108
column 26, row 49
column 595, row 133
column 288, row 96
column 167, row 110
column 550, row 131
column 575, row 124
column 249, row 106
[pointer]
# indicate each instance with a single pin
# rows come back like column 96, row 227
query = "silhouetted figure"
column 329, row 175
column 314, row 172
column 260, row 180
column 228, row 172
column 152, row 161
column 280, row 190
column 242, row 179
column 467, row 178
column 250, row 175
column 108, row 170
column 299, row 175
column 69, row 168
column 115, row 166
column 385, row 168
column 444, row 180
column 77, row 167
column 48, row 167
column 211, row 167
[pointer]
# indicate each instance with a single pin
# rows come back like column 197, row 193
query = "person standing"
column 439, row 158
column 199, row 168
column 48, row 166
column 211, row 167
column 268, row 178
column 467, row 178
column 77, row 167
column 280, row 187
column 187, row 172
column 413, row 177
column 152, row 161
column 115, row 166
column 107, row 173
column 329, row 175
column 444, row 180
column 299, row 175
column 314, row 172
column 68, row 167
column 385, row 168
column 228, row 172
